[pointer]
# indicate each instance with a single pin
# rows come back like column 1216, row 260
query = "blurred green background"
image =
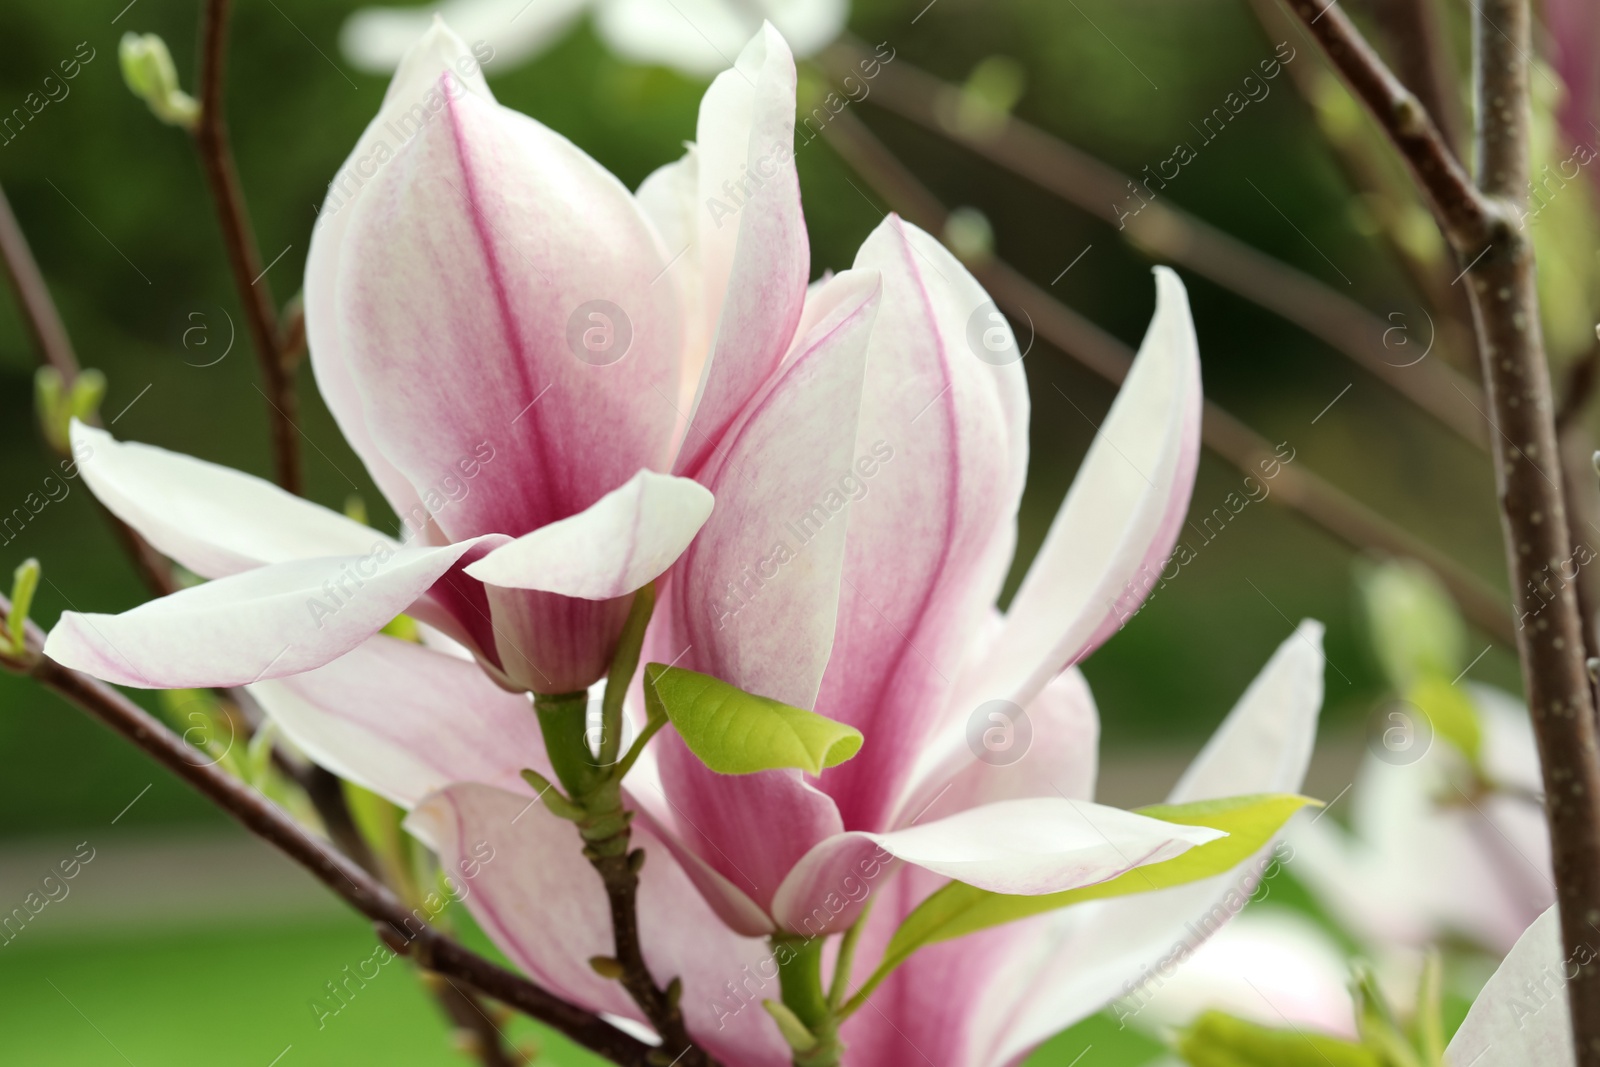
column 117, row 213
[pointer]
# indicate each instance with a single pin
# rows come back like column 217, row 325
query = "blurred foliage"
column 115, row 207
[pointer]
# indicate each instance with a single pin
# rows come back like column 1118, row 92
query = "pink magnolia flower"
column 472, row 277
column 510, row 341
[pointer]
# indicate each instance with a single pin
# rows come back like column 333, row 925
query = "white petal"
column 1521, row 1019
column 1121, row 516
column 376, row 39
column 265, row 623
column 1267, row 737
column 624, row 540
column 1028, row 847
column 212, row 519
column 1072, row 964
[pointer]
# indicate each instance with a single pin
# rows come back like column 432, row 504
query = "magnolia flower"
column 601, row 363
column 697, row 37
column 1271, row 965
column 1521, row 1018
column 1427, row 857
column 871, row 599
column 508, row 341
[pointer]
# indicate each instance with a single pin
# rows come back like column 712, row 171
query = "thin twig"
column 401, row 929
column 244, row 256
column 1498, row 262
column 1443, row 180
column 1423, row 61
column 1168, row 232
column 1296, row 487
column 55, row 349
column 38, row 310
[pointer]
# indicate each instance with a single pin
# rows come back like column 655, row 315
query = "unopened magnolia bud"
column 23, row 585
column 148, row 70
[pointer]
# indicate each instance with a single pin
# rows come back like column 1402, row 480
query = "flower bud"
column 148, row 70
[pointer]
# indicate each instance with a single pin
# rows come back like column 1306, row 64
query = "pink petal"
column 754, row 256
column 213, row 520
column 623, row 541
column 493, row 305
column 543, row 905
column 438, row 51
column 756, row 593
column 265, row 623
column 404, row 721
column 1121, row 517
column 938, row 470
column 993, row 754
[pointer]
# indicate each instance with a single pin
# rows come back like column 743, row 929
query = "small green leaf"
column 1220, row 1040
column 1414, row 625
column 734, row 732
column 1451, row 712
column 960, row 909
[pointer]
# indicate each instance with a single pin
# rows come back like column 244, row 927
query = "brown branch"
column 475, row 1027
column 1445, row 183
column 1498, row 262
column 400, row 929
column 1298, row 488
column 1423, row 61
column 1166, row 231
column 1372, row 168
column 38, row 310
column 244, row 257
column 55, row 350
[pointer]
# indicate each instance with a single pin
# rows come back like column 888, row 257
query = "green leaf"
column 734, row 732
column 960, row 909
column 1414, row 625
column 1451, row 712
column 1220, row 1040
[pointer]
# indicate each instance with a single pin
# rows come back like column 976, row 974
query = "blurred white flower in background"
column 696, row 37
column 1431, row 853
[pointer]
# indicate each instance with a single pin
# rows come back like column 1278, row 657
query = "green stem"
column 623, row 663
column 800, row 978
column 847, row 956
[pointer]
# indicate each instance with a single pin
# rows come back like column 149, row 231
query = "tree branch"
column 1465, row 218
column 1482, row 224
column 400, row 929
column 55, row 350
column 1423, row 60
column 244, row 257
column 1298, row 488
column 1166, row 231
